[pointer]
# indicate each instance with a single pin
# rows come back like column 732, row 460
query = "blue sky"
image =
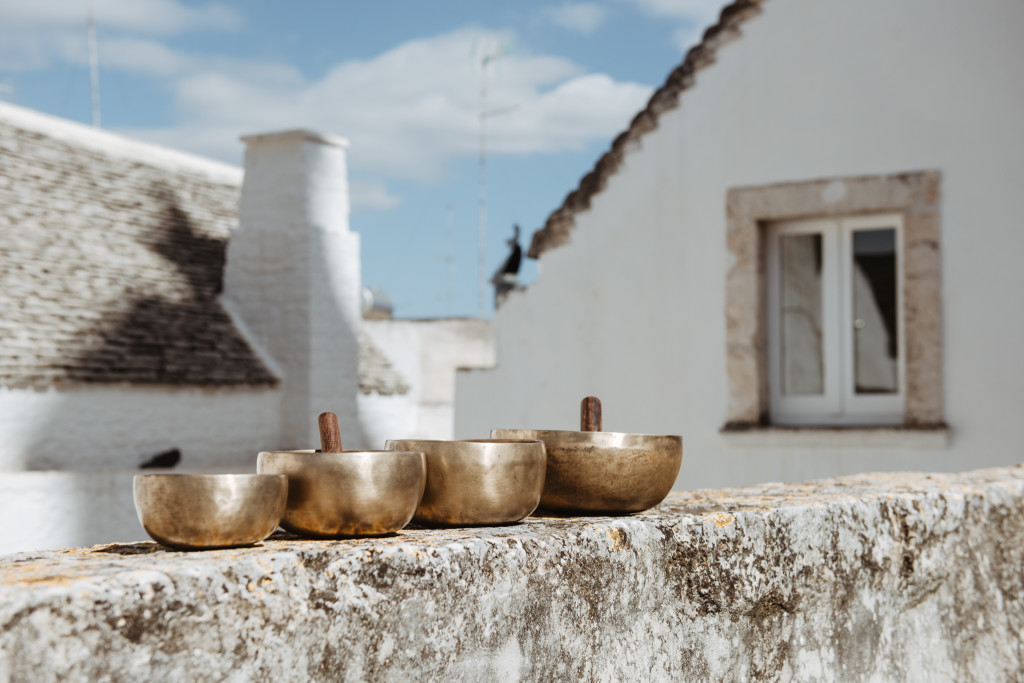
column 399, row 78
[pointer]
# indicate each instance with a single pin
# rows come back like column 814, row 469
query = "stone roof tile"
column 111, row 268
column 111, row 264
column 376, row 373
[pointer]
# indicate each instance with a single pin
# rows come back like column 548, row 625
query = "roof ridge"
column 562, row 220
column 119, row 145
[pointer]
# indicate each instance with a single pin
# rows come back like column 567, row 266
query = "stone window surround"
column 915, row 195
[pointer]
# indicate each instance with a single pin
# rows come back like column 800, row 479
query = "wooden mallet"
column 330, row 435
column 590, row 414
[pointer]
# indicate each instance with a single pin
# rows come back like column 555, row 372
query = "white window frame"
column 838, row 404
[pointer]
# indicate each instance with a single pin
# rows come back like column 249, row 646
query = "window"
column 835, row 343
column 861, row 248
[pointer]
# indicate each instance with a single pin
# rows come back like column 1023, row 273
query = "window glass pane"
column 875, row 335
column 800, row 315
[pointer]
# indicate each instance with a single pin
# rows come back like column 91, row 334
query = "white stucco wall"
column 633, row 309
column 67, row 509
column 73, row 509
column 97, row 428
column 85, row 444
column 427, row 354
column 386, row 417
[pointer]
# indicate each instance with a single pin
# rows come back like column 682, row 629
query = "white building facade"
column 803, row 256
column 154, row 304
column 429, row 352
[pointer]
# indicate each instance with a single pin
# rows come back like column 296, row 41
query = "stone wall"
column 885, row 577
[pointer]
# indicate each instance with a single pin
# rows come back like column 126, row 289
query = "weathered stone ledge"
column 891, row 577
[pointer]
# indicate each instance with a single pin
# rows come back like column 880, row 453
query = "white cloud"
column 411, row 110
column 579, row 17
column 372, row 195
column 144, row 56
column 159, row 17
column 408, row 112
column 36, row 33
column 580, row 109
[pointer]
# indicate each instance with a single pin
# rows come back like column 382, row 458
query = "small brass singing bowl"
column 351, row 493
column 208, row 511
column 604, row 472
column 478, row 482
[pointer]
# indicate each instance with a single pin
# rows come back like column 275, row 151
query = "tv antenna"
column 486, row 60
column 94, row 66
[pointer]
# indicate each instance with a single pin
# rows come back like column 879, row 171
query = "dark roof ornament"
column 506, row 278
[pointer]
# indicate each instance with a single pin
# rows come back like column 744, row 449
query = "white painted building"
column 803, row 255
column 429, row 353
column 152, row 303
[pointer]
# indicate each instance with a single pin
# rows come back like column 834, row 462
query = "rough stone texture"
column 914, row 195
column 376, row 373
column 882, row 577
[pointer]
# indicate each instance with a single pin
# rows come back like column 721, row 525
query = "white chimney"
column 293, row 276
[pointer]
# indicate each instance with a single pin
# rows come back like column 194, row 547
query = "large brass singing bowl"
column 352, row 493
column 478, row 482
column 604, row 472
column 206, row 511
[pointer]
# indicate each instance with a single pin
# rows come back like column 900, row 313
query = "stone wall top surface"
column 898, row 576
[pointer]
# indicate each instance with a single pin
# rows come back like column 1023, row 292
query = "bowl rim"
column 310, row 451
column 482, row 442
column 578, row 434
column 209, row 476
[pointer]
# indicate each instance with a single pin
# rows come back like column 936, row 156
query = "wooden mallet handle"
column 330, row 435
column 590, row 414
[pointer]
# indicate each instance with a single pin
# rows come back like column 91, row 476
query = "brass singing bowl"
column 478, row 482
column 604, row 472
column 352, row 493
column 207, row 511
